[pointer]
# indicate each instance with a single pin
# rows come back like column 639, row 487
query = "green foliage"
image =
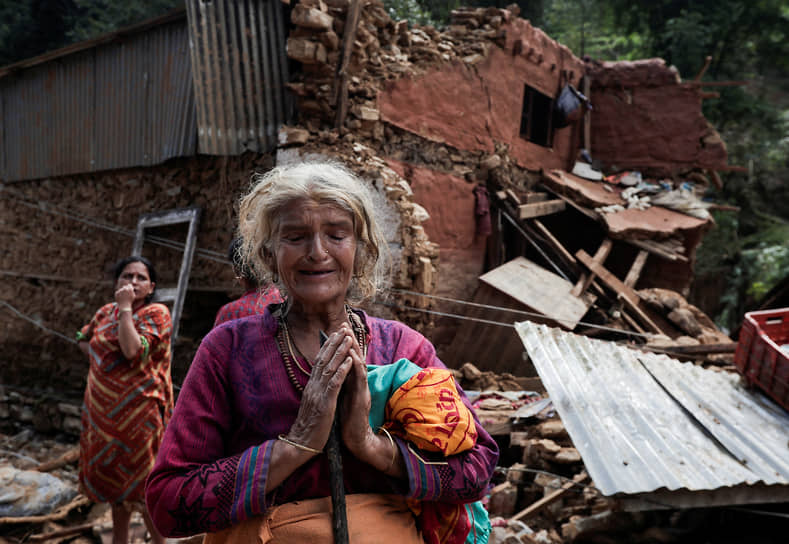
column 31, row 27
column 588, row 27
column 96, row 17
column 409, row 10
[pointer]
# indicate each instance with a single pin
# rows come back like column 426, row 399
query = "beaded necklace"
column 287, row 348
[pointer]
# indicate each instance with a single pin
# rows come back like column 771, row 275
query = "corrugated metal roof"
column 654, row 431
column 240, row 68
column 118, row 104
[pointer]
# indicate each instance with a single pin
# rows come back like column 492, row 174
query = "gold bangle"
column 394, row 449
column 297, row 445
column 123, row 310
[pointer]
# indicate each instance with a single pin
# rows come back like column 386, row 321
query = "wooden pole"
column 336, row 485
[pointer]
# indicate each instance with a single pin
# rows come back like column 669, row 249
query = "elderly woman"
column 244, row 458
column 129, row 395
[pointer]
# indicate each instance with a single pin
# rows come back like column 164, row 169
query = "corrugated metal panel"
column 145, row 103
column 47, row 118
column 648, row 426
column 119, row 104
column 239, row 70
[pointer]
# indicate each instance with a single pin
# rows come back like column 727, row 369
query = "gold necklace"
column 286, row 347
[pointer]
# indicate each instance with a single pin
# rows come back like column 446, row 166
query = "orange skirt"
column 372, row 519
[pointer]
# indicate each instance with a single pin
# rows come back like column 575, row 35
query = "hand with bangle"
column 298, row 446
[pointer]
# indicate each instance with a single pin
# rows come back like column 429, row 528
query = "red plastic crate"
column 759, row 357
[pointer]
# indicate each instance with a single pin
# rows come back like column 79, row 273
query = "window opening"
column 536, row 117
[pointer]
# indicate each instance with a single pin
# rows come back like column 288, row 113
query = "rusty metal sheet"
column 119, row 103
column 654, row 221
column 655, row 432
column 144, row 99
column 239, row 70
column 47, row 109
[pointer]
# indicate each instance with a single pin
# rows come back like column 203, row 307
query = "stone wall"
column 64, row 235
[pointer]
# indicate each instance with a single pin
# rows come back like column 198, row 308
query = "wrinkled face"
column 136, row 275
column 315, row 249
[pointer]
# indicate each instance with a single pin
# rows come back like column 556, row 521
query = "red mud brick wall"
column 645, row 119
column 473, row 106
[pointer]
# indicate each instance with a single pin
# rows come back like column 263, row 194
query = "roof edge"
column 173, row 15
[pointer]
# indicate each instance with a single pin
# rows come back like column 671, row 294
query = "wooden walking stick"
column 339, row 518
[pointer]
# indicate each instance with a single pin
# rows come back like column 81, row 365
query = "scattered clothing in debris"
column 31, row 493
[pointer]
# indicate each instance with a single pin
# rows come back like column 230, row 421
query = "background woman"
column 245, row 455
column 128, row 398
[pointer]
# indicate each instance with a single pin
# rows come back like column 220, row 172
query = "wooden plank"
column 69, row 457
column 701, row 349
column 591, row 214
column 512, row 197
column 553, row 497
column 479, row 322
column 631, row 321
column 557, row 245
column 538, row 209
column 635, row 269
column 540, row 290
column 61, row 513
column 732, row 168
column 533, row 197
column 340, row 90
column 630, row 297
column 658, row 250
column 67, row 531
column 586, row 279
column 715, row 83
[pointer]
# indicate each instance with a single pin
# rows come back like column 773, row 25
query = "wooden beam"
column 69, row 457
column 715, row 83
column 68, row 531
column 701, row 349
column 630, row 297
column 60, row 513
column 591, row 214
column 512, row 197
column 538, row 209
column 553, row 497
column 707, row 61
column 630, row 320
column 635, row 269
column 731, row 168
column 532, row 197
column 659, row 250
column 340, row 90
column 557, row 245
column 586, row 279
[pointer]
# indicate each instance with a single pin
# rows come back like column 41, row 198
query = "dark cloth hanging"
column 482, row 211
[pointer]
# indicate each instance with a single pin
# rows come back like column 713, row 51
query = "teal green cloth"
column 383, row 381
column 480, row 523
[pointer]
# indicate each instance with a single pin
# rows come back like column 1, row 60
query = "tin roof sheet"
column 112, row 104
column 658, row 431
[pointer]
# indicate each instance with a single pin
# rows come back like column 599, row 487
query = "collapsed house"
column 490, row 213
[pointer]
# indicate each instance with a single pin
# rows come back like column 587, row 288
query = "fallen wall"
column 645, row 118
column 477, row 102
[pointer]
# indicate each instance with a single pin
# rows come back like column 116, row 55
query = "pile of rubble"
column 541, row 492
